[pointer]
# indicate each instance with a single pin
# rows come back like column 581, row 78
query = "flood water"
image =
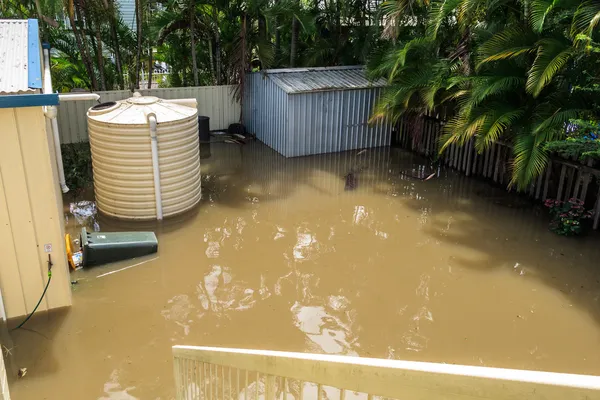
column 280, row 256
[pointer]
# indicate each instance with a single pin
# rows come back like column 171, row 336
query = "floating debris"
column 22, row 372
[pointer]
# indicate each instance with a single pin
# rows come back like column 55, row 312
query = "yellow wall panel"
column 30, row 215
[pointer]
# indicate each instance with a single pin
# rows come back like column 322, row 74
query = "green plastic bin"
column 105, row 247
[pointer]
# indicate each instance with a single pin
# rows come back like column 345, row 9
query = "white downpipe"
column 193, row 103
column 51, row 113
column 78, row 96
column 155, row 167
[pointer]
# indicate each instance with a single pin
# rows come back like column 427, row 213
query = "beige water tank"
column 122, row 157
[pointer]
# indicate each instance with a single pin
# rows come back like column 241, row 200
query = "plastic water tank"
column 122, row 157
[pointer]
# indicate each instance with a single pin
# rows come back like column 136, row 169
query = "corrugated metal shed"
column 14, row 57
column 301, row 80
column 302, row 111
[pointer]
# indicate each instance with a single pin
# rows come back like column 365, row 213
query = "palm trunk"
column 99, row 56
column 115, row 39
column 242, row 77
column 38, row 10
column 138, row 24
column 150, row 67
column 294, row 43
column 211, row 59
column 193, row 41
column 83, row 50
column 277, row 38
column 217, row 47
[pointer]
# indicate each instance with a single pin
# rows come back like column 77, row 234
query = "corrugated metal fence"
column 562, row 179
column 216, row 102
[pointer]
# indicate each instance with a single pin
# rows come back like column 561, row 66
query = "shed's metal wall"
column 312, row 123
column 325, row 122
column 266, row 112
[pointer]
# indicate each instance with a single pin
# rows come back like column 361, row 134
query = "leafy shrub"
column 567, row 217
column 77, row 162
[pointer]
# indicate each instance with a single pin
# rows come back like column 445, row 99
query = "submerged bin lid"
column 134, row 111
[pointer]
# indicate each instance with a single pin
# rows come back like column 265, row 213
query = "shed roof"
column 302, row 80
column 19, row 57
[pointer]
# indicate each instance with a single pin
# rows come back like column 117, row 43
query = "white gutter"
column 51, row 113
column 78, row 96
column 155, row 167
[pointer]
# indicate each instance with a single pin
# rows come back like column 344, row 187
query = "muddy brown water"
column 279, row 256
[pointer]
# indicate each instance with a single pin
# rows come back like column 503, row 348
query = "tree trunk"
column 294, row 43
column 212, row 61
column 115, row 39
column 192, row 12
column 242, row 72
column 99, row 54
column 38, row 11
column 217, row 47
column 277, row 38
column 83, row 50
column 138, row 24
column 150, row 66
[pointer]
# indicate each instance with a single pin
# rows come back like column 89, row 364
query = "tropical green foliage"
column 203, row 42
column 515, row 70
column 77, row 161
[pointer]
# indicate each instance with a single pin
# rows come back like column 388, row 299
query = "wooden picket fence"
column 562, row 179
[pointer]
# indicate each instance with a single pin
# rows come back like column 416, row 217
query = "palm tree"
column 505, row 70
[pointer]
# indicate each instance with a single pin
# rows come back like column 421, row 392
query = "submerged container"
column 146, row 157
column 204, row 129
column 105, row 247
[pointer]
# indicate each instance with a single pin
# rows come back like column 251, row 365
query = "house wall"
column 266, row 112
column 30, row 215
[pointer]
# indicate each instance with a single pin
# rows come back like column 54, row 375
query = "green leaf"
column 507, row 44
column 586, row 18
column 552, row 56
column 539, row 11
column 530, row 160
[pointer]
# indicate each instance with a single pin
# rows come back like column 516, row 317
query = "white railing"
column 219, row 373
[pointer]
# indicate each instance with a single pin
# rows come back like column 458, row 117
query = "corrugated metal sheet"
column 307, row 123
column 127, row 12
column 300, row 80
column 267, row 112
column 14, row 76
column 216, row 102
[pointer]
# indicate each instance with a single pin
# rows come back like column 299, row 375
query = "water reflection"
column 279, row 256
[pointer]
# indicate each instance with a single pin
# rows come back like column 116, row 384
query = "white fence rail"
column 219, row 373
column 216, row 102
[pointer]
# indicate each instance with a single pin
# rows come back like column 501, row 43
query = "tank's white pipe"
column 193, row 103
column 155, row 167
column 78, row 96
column 51, row 113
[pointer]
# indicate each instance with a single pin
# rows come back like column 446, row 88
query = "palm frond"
column 509, row 43
column 539, row 11
column 499, row 120
column 530, row 160
column 552, row 56
column 440, row 11
column 586, row 18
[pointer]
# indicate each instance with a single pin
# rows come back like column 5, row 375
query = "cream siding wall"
column 30, row 215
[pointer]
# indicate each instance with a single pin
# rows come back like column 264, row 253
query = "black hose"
column 38, row 303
